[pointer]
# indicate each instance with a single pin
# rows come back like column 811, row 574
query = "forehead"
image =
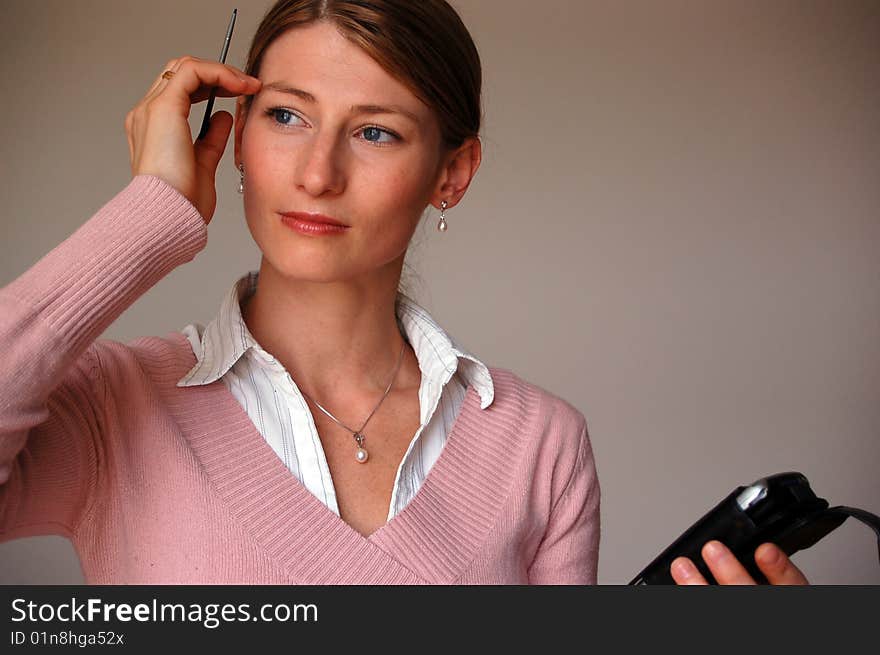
column 318, row 59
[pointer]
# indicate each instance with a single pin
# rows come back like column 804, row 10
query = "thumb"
column 209, row 150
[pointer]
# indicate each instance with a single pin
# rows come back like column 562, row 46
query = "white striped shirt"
column 226, row 350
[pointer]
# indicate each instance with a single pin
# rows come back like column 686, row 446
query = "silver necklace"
column 362, row 455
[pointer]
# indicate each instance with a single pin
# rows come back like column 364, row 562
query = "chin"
column 295, row 266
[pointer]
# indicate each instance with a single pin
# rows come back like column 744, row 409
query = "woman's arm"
column 51, row 390
column 569, row 551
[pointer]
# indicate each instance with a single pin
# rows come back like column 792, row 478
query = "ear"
column 240, row 120
column 457, row 169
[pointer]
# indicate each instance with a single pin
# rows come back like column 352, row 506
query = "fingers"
column 725, row 568
column 776, row 566
column 209, row 150
column 172, row 66
column 195, row 78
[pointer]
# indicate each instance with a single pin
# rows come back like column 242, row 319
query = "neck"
column 337, row 339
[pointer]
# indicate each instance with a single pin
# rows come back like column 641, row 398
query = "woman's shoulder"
column 514, row 391
column 551, row 429
column 549, row 432
column 161, row 358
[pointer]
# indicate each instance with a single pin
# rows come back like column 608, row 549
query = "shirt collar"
column 227, row 338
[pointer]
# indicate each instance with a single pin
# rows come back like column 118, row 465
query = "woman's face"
column 351, row 143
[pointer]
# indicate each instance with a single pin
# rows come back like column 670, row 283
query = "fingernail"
column 683, row 568
column 770, row 555
column 714, row 550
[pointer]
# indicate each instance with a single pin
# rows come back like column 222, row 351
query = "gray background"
column 675, row 228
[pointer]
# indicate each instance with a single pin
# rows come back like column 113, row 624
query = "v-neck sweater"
column 159, row 484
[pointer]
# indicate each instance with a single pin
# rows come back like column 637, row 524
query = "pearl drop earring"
column 241, row 178
column 441, row 226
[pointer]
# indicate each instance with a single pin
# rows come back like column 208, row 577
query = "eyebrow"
column 359, row 109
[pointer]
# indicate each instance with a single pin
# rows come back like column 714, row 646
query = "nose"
column 320, row 167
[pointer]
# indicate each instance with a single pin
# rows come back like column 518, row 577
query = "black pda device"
column 780, row 508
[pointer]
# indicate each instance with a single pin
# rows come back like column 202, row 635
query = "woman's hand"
column 159, row 138
column 726, row 569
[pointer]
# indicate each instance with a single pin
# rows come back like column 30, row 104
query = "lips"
column 320, row 219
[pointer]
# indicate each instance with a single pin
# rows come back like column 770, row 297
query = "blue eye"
column 373, row 134
column 282, row 116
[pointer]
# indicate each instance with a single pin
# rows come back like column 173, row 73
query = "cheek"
column 257, row 195
column 261, row 158
column 404, row 185
column 263, row 179
column 391, row 203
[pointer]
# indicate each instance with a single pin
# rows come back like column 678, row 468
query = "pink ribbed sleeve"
column 569, row 551
column 50, row 382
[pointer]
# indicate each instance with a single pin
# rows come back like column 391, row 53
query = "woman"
column 322, row 429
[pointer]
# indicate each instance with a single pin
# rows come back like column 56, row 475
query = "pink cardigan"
column 159, row 484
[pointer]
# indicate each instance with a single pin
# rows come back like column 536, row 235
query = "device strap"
column 871, row 520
